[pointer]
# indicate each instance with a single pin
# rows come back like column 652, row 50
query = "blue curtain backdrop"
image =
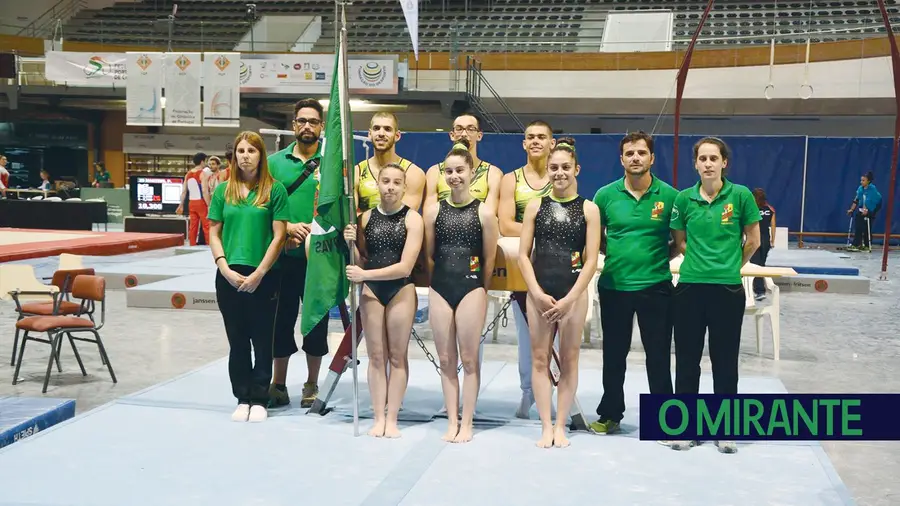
column 834, row 166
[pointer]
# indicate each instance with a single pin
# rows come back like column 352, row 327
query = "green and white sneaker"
column 605, row 426
column 278, row 397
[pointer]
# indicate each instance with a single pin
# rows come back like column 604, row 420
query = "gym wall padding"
column 774, row 163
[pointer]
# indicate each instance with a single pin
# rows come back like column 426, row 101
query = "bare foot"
column 391, row 430
column 465, row 434
column 452, row 429
column 559, row 437
column 377, row 430
column 546, row 440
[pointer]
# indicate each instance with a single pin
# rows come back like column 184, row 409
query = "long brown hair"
column 264, row 180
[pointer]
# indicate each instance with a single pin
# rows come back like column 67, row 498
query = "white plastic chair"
column 759, row 312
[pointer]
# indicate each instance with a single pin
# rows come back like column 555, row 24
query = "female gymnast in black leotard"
column 461, row 235
column 388, row 248
column 558, row 252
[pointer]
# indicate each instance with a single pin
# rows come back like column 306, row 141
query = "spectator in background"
column 766, row 239
column 101, row 176
column 46, row 185
column 866, row 204
column 196, row 188
column 4, row 176
column 225, row 168
column 215, row 166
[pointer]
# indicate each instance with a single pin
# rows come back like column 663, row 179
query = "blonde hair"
column 264, row 180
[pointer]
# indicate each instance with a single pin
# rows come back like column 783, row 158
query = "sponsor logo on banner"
column 222, row 63
column 372, row 74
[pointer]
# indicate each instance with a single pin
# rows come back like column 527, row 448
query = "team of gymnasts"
column 468, row 204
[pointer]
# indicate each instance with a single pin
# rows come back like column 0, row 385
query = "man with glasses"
column 485, row 185
column 384, row 132
column 296, row 167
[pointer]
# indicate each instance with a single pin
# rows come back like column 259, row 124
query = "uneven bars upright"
column 803, row 190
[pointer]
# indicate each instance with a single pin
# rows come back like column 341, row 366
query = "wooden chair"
column 90, row 289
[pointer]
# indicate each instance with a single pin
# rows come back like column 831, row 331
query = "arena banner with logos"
column 289, row 74
column 143, row 95
column 182, row 89
column 222, row 90
column 105, row 70
column 301, row 74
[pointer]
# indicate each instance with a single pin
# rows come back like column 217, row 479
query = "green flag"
column 326, row 277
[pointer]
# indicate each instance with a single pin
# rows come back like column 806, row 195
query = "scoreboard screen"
column 155, row 195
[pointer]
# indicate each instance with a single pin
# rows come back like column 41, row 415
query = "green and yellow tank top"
column 367, row 192
column 525, row 193
column 478, row 187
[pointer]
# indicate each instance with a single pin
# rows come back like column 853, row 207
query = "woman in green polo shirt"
column 716, row 226
column 248, row 220
column 558, row 252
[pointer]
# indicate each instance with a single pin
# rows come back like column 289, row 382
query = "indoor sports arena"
column 432, row 252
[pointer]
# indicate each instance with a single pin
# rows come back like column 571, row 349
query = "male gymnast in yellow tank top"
column 485, row 185
column 517, row 189
column 384, row 133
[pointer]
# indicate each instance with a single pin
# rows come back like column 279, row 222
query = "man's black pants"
column 293, row 281
column 617, row 309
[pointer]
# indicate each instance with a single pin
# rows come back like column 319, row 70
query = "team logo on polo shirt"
column 657, row 211
column 728, row 213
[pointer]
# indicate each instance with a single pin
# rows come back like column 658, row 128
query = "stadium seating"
column 479, row 26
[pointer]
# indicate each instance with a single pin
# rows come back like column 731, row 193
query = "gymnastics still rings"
column 771, row 86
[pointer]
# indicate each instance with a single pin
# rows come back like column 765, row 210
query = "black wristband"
column 218, row 258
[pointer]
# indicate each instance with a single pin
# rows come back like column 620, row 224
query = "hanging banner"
column 290, row 73
column 411, row 13
column 310, row 74
column 222, row 90
column 85, row 69
column 182, row 85
column 143, row 95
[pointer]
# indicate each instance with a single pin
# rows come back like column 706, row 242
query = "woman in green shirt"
column 248, row 220
column 715, row 224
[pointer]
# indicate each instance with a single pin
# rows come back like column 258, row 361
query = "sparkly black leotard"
column 458, row 251
column 560, row 231
column 385, row 240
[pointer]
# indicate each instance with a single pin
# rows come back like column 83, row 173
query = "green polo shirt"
column 715, row 232
column 286, row 168
column 247, row 229
column 637, row 235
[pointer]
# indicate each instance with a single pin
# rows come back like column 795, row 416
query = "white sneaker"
column 258, row 414
column 726, row 446
column 241, row 413
column 678, row 445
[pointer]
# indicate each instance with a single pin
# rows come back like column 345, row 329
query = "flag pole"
column 350, row 192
